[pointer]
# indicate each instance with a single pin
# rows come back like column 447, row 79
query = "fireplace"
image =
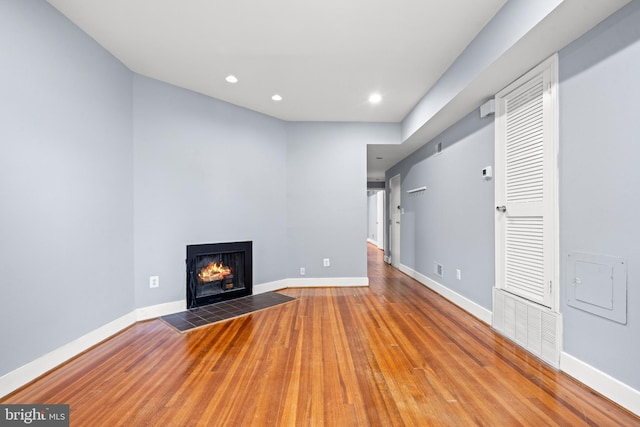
column 218, row 272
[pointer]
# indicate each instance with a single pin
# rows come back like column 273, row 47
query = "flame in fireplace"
column 213, row 272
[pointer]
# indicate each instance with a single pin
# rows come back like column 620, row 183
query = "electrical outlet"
column 154, row 281
column 458, row 274
column 302, row 271
column 326, row 262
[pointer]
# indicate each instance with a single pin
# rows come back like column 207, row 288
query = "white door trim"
column 394, row 220
column 380, row 230
column 551, row 134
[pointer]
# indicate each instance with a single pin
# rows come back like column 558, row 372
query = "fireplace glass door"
column 217, row 272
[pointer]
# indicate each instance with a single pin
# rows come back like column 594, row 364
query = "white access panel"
column 597, row 284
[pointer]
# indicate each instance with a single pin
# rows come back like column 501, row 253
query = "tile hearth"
column 208, row 314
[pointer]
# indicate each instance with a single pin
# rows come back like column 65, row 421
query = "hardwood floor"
column 392, row 354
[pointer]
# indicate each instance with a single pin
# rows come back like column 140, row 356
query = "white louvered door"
column 526, row 236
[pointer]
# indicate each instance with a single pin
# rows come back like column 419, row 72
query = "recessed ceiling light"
column 374, row 98
column 276, row 97
column 231, row 79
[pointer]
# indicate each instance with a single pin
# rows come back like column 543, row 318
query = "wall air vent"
column 437, row 269
column 532, row 326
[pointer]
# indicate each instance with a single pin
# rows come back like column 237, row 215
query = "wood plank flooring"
column 393, row 354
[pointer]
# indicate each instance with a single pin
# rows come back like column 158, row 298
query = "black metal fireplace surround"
column 218, row 272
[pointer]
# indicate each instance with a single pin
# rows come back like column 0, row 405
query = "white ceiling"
column 324, row 57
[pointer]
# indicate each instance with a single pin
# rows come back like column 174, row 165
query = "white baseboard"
column 376, row 243
column 462, row 302
column 326, row 282
column 151, row 312
column 311, row 282
column 604, row 384
column 601, row 382
column 271, row 286
column 32, row 370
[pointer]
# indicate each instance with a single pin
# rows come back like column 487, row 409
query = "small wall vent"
column 437, row 269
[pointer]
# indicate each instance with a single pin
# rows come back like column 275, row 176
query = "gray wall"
column 66, row 168
column 512, row 22
column 599, row 178
column 205, row 171
column 107, row 176
column 452, row 221
column 73, row 208
column 327, row 206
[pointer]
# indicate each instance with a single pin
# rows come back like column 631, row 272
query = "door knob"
column 502, row 209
